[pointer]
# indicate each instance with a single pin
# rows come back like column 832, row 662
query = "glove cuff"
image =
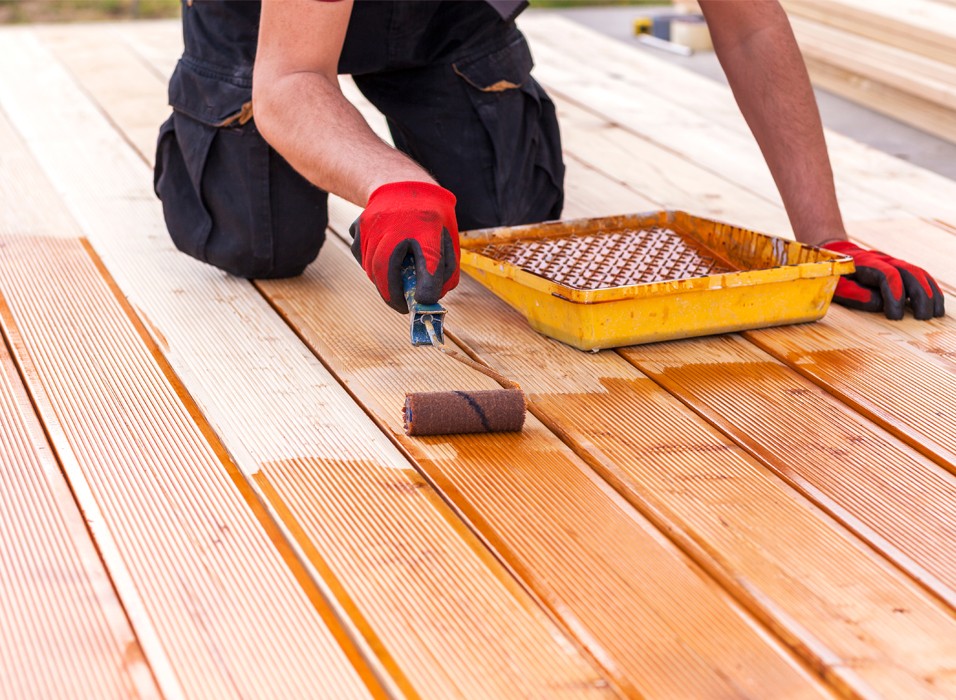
column 845, row 247
column 426, row 195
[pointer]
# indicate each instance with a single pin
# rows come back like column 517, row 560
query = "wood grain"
column 629, row 596
column 63, row 630
column 924, row 27
column 199, row 558
column 887, row 382
column 402, row 571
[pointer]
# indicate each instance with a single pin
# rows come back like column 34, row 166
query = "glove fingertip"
column 939, row 300
column 356, row 230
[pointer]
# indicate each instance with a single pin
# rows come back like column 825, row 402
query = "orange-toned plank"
column 629, row 595
column 897, row 387
column 444, row 616
column 730, row 510
column 935, row 339
column 731, row 513
column 231, row 617
column 63, row 631
column 855, row 470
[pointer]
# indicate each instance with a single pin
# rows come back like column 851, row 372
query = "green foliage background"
column 12, row 11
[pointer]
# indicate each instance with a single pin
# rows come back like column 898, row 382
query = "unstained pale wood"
column 925, row 27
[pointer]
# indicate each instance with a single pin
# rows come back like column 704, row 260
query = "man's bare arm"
column 757, row 49
column 301, row 112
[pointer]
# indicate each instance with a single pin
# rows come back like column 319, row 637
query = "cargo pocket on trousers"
column 520, row 121
column 181, row 153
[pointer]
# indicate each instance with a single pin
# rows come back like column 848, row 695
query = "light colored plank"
column 662, row 102
column 915, row 240
column 627, row 593
column 63, row 631
column 105, row 64
column 921, row 26
column 21, row 181
column 659, row 174
column 914, row 110
column 932, row 81
column 401, row 568
column 158, row 43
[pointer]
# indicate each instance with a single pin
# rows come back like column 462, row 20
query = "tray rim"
column 834, row 264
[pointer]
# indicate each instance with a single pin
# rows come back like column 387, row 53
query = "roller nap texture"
column 457, row 412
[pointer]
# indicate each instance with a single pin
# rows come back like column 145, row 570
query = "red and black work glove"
column 403, row 218
column 885, row 283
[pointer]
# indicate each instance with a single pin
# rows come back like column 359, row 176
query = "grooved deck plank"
column 199, row 559
column 631, row 598
column 63, row 631
column 579, row 156
column 731, row 513
column 852, row 468
column 885, row 381
column 401, row 567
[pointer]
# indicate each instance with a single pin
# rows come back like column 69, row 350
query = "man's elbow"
column 265, row 106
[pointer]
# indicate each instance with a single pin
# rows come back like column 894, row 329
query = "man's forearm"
column 763, row 64
column 305, row 117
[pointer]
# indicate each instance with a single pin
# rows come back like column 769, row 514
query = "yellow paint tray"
column 643, row 278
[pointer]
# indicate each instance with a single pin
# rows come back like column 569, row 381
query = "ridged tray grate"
column 612, row 259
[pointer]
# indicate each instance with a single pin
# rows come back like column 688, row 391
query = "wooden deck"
column 206, row 492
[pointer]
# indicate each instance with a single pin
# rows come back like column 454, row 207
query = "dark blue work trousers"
column 452, row 78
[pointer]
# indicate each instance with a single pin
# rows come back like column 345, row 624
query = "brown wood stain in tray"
column 611, row 259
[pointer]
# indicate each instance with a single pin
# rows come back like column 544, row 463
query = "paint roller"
column 455, row 412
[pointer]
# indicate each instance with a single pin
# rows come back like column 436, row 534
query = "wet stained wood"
column 195, row 553
column 888, row 382
column 631, row 597
column 826, row 450
column 63, row 630
column 399, row 568
column 730, row 513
